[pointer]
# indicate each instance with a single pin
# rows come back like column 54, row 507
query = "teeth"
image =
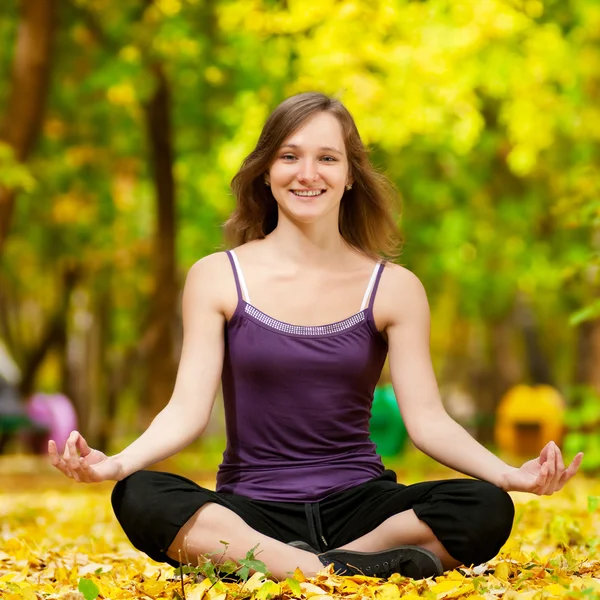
column 307, row 192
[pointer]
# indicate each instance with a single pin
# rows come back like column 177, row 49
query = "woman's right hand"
column 82, row 463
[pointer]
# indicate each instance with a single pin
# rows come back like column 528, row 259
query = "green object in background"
column 387, row 428
column 10, row 424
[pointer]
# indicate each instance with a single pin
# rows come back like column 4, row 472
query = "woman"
column 297, row 322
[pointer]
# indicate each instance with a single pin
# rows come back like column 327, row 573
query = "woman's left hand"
column 544, row 475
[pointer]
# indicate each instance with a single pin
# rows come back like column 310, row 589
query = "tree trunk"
column 587, row 367
column 540, row 370
column 161, row 362
column 493, row 378
column 55, row 334
column 28, row 93
column 114, row 373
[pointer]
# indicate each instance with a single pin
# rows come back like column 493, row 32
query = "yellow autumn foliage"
column 53, row 538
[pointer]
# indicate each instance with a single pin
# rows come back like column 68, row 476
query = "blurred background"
column 122, row 123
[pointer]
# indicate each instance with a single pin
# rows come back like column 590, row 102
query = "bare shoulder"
column 210, row 281
column 401, row 296
column 209, row 265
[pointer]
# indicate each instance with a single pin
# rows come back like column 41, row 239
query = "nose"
column 307, row 171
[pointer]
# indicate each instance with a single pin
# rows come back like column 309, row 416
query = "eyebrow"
column 327, row 148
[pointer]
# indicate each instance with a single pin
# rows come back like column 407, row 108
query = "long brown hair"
column 366, row 218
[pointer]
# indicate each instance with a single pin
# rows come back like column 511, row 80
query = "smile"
column 307, row 193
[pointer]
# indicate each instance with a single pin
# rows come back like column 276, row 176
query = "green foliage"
column 483, row 114
column 294, row 586
column 582, row 421
column 14, row 174
column 88, row 588
column 268, row 590
column 250, row 563
column 588, row 313
column 218, row 570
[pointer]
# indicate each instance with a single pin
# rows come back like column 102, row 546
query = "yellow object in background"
column 528, row 417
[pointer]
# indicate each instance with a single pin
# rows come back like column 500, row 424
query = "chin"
column 306, row 216
column 307, row 212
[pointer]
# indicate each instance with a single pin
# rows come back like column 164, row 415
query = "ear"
column 267, row 180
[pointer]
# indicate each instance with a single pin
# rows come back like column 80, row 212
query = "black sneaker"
column 303, row 546
column 409, row 561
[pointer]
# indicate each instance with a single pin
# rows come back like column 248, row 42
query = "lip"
column 307, row 199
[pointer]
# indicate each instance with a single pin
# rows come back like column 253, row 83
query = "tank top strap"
column 372, row 287
column 240, row 282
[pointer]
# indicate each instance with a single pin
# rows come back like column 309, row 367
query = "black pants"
column 471, row 518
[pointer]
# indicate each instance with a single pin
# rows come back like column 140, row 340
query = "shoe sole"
column 303, row 546
column 410, row 561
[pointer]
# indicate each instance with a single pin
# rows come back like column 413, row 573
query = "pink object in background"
column 55, row 414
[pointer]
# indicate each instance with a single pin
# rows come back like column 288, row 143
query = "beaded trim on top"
column 305, row 329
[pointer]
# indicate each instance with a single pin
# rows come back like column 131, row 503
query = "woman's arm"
column 405, row 310
column 186, row 415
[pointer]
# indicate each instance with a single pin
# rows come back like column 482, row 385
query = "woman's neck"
column 310, row 244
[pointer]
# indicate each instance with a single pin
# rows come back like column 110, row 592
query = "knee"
column 499, row 506
column 127, row 495
column 491, row 522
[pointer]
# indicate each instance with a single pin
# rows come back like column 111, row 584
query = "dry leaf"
column 46, row 561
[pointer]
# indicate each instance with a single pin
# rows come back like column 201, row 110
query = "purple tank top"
column 298, row 402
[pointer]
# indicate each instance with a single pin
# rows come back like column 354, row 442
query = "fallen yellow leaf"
column 445, row 586
column 387, row 591
column 502, row 571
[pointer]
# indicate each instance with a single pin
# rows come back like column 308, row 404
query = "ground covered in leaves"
column 60, row 540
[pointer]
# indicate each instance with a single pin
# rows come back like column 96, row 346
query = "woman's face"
column 310, row 171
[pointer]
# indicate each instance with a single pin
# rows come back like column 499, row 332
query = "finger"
column 560, row 463
column 55, row 459
column 571, row 469
column 72, row 459
column 86, row 473
column 540, row 485
column 82, row 446
column 574, row 466
column 560, row 469
column 71, row 445
column 73, row 436
column 53, row 452
column 66, row 454
column 551, row 462
column 542, row 479
column 544, row 453
column 62, row 467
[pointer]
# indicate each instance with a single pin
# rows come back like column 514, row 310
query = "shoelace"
column 387, row 567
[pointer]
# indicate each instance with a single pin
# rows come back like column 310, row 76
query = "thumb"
column 544, row 453
column 82, row 445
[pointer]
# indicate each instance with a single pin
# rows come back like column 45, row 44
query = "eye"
column 288, row 157
column 329, row 159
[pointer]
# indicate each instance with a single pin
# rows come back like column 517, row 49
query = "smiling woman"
column 296, row 322
column 309, row 140
column 308, row 179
